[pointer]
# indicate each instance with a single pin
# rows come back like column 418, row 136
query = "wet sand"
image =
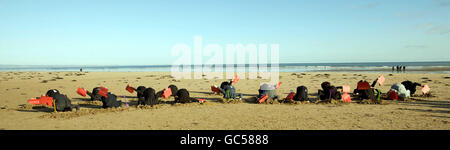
column 16, row 88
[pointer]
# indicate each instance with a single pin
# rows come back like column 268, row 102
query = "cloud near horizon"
column 439, row 29
column 416, row 46
column 431, row 28
column 442, row 3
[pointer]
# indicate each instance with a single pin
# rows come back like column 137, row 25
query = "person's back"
column 328, row 92
column 301, row 94
column 110, row 101
column 183, row 97
column 150, row 97
column 140, row 94
column 268, row 90
column 401, row 90
column 230, row 92
column 63, row 103
column 363, row 90
column 94, row 95
column 411, row 86
column 173, row 89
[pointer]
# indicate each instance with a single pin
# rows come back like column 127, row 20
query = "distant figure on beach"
column 81, row 69
column 398, row 68
column 393, row 68
column 404, row 68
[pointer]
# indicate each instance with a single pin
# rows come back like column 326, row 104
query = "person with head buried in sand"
column 364, row 90
column 100, row 93
column 110, row 101
column 329, row 92
column 139, row 93
column 182, row 96
column 150, row 97
column 411, row 86
column 171, row 90
column 94, row 94
column 227, row 89
column 267, row 92
column 146, row 96
column 62, row 102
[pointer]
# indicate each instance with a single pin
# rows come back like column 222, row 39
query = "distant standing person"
column 81, row 69
column 393, row 68
column 404, row 68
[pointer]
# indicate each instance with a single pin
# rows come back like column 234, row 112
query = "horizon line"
column 165, row 65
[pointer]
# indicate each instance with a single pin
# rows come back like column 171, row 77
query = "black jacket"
column 111, row 101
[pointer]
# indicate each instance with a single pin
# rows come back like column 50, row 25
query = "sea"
column 410, row 67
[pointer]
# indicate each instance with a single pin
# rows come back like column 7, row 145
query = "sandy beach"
column 428, row 113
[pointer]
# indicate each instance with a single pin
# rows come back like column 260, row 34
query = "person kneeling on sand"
column 62, row 102
column 400, row 90
column 100, row 93
column 150, row 97
column 110, row 101
column 173, row 90
column 364, row 90
column 301, row 95
column 139, row 93
column 267, row 92
column 228, row 91
column 329, row 92
column 94, row 95
column 411, row 86
column 146, row 96
column 182, row 96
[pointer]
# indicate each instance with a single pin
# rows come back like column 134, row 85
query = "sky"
column 143, row 32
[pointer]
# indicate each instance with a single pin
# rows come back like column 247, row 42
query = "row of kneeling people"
column 148, row 96
column 364, row 90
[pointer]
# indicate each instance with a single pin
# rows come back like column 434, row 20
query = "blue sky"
column 142, row 32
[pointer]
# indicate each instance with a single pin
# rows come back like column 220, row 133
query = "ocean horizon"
column 412, row 67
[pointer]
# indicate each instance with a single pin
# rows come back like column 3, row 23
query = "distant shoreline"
column 411, row 67
column 441, row 70
column 342, row 64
